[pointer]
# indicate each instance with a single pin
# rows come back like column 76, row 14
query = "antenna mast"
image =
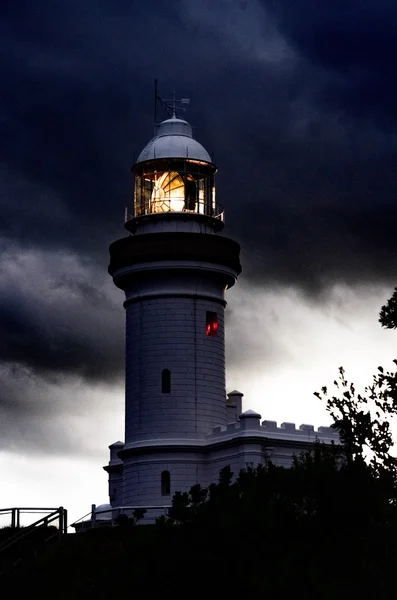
column 171, row 106
column 155, row 103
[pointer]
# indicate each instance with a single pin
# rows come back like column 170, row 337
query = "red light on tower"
column 211, row 328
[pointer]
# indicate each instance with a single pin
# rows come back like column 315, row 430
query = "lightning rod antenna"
column 155, row 104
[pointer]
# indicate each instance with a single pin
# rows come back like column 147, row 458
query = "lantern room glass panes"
column 174, row 185
column 168, row 193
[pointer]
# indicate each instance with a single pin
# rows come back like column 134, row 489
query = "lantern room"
column 174, row 174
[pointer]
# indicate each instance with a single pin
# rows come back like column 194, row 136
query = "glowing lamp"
column 168, row 193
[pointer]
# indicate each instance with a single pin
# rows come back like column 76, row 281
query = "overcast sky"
column 297, row 101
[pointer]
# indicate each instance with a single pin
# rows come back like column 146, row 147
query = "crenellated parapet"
column 249, row 424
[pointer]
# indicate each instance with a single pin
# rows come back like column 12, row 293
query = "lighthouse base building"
column 174, row 267
column 149, row 475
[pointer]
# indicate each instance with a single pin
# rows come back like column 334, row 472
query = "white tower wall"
column 169, row 333
column 167, row 303
column 169, row 297
column 142, row 476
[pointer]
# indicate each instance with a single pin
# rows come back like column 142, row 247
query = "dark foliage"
column 125, row 521
column 364, row 420
column 388, row 312
column 327, row 525
column 322, row 490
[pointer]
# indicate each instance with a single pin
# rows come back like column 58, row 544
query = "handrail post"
column 93, row 516
column 60, row 524
column 13, row 518
column 65, row 521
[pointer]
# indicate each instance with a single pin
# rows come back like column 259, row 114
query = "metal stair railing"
column 59, row 514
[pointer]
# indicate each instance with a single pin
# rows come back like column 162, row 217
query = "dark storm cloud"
column 55, row 322
column 52, row 347
column 39, row 416
column 60, row 337
column 303, row 173
column 330, row 183
column 297, row 100
column 356, row 42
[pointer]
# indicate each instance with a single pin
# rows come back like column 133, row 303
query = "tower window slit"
column 165, row 483
column 166, row 381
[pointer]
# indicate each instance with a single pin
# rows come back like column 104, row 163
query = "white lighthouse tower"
column 174, row 268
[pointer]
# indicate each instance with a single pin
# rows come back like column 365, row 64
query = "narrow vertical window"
column 166, row 381
column 165, row 483
column 211, row 326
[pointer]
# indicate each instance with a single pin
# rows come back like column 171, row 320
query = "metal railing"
column 51, row 515
column 218, row 213
column 113, row 513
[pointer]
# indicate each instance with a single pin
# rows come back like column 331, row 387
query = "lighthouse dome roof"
column 174, row 139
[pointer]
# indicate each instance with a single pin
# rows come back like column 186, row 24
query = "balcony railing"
column 218, row 213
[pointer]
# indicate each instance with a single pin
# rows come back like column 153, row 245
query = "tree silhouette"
column 326, row 486
column 388, row 312
column 363, row 420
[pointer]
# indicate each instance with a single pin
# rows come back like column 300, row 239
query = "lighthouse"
column 175, row 267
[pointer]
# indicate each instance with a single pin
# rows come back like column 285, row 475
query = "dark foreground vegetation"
column 325, row 528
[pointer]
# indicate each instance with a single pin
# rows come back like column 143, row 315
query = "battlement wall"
column 250, row 424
